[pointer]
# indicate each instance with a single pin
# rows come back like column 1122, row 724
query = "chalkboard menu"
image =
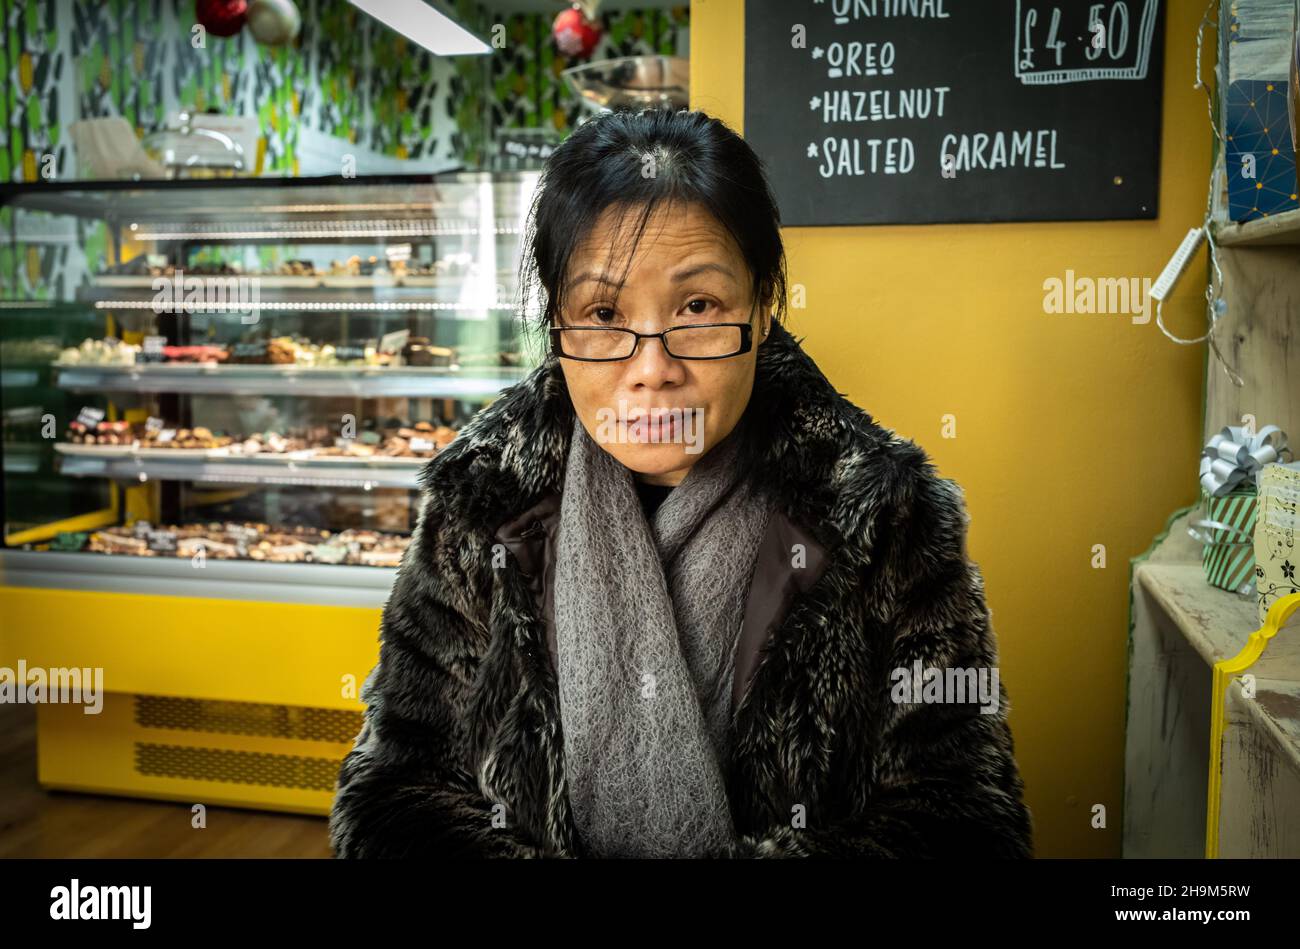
column 930, row 111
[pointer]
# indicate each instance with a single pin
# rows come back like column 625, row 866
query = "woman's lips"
column 645, row 429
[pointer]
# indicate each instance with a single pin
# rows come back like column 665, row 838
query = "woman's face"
column 687, row 270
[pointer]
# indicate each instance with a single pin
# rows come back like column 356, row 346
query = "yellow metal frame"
column 1224, row 670
column 141, row 502
column 81, row 522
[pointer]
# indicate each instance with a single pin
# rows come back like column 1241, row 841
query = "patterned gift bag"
column 1229, row 556
column 1277, row 559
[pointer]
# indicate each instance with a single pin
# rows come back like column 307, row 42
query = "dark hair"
column 697, row 159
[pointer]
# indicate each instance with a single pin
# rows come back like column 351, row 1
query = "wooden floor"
column 35, row 822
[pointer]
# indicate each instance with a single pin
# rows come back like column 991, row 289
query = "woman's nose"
column 651, row 364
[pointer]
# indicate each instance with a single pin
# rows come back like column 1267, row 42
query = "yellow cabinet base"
column 229, row 702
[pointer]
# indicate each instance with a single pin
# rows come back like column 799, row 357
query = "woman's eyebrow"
column 596, row 278
column 676, row 276
column 688, row 272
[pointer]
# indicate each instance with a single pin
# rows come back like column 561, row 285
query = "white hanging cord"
column 1214, row 302
column 1200, row 83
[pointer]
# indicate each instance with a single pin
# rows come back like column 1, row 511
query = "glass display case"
column 233, row 373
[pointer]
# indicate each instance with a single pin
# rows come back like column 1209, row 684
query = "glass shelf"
column 220, row 467
column 270, row 201
column 360, row 382
column 316, row 584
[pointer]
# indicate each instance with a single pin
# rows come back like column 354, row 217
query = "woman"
column 672, row 595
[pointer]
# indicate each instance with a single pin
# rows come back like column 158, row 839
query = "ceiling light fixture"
column 426, row 22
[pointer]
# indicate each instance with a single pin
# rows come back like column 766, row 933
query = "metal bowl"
column 632, row 82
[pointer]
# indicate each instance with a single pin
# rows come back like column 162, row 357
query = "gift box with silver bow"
column 1229, row 462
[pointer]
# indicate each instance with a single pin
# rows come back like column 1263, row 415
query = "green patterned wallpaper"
column 346, row 75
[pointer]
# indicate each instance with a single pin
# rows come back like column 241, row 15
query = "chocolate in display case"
column 250, row 372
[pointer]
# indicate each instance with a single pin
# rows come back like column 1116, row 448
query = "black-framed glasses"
column 611, row 343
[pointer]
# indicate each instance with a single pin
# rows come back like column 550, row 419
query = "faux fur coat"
column 864, row 571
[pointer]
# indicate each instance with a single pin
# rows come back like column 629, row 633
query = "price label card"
column 153, row 424
column 141, row 529
column 163, row 541
column 256, row 350
column 421, row 444
column 242, row 536
column 166, row 435
column 349, row 353
column 151, row 349
column 90, row 416
column 394, row 342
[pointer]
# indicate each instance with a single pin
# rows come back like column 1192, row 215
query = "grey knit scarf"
column 647, row 619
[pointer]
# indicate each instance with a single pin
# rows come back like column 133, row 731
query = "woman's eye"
column 703, row 303
column 597, row 316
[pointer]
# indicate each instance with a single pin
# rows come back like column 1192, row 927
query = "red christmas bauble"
column 221, row 17
column 575, row 36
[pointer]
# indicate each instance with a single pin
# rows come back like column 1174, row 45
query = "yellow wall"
column 913, row 323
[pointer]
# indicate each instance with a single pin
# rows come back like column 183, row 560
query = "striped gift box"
column 1229, row 558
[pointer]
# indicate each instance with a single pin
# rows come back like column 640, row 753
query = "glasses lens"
column 702, row 341
column 596, row 343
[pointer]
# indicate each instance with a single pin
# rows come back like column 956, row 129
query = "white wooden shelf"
column 1275, row 229
column 1182, row 626
column 1216, row 623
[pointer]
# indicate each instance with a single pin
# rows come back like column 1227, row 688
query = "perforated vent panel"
column 247, row 718
column 236, row 767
